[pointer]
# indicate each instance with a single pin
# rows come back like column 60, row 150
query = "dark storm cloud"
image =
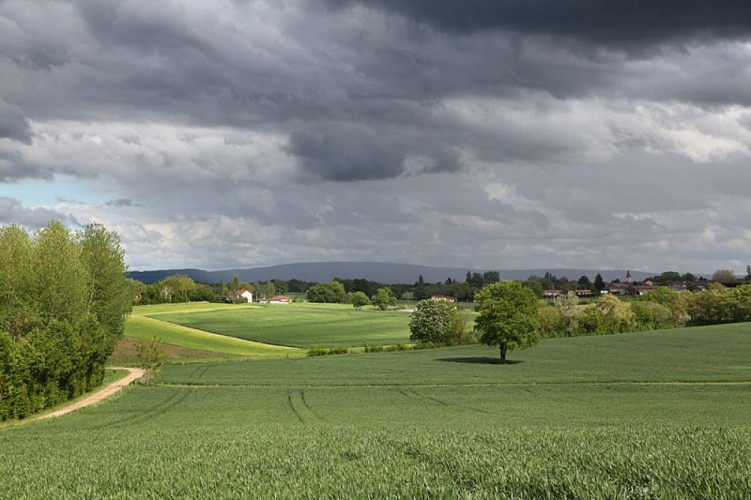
column 349, row 152
column 13, row 124
column 608, row 21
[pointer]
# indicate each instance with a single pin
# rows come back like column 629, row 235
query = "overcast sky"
column 468, row 133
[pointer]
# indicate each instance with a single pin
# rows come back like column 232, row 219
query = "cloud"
column 607, row 22
column 12, row 211
column 13, row 123
column 490, row 134
column 350, row 151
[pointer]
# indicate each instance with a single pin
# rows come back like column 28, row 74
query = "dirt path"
column 133, row 374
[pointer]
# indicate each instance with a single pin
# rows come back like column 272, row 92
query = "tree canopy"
column 383, row 298
column 64, row 298
column 437, row 321
column 507, row 317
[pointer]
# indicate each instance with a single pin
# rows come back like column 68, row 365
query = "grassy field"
column 139, row 325
column 297, row 324
column 650, row 415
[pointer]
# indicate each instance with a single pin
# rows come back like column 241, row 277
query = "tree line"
column 511, row 316
column 64, row 298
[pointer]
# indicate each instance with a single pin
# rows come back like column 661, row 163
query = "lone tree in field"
column 437, row 321
column 383, row 298
column 358, row 299
column 507, row 317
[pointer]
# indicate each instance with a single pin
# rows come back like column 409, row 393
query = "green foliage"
column 507, row 317
column 720, row 305
column 599, row 283
column 358, row 299
column 322, row 350
column 551, row 321
column 328, row 293
column 383, row 298
column 152, row 356
column 63, row 302
column 438, row 322
column 568, row 304
column 724, row 276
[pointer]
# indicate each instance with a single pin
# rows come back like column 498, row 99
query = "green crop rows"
column 650, row 415
column 299, row 325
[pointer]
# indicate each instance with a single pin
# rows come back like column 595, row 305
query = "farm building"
column 278, row 299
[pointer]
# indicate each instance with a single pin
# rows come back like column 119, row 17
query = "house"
column 278, row 299
column 584, row 293
column 246, row 294
column 551, row 294
column 443, row 297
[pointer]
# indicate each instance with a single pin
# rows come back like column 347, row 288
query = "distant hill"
column 382, row 272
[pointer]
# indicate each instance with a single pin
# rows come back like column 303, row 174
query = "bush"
column 322, row 350
column 438, row 322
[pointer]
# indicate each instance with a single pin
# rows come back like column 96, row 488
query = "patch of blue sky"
column 62, row 189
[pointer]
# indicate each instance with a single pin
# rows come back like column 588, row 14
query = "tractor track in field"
column 115, row 387
column 300, row 407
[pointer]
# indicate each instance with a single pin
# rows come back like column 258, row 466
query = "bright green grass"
column 300, row 325
column 140, row 326
column 656, row 415
column 701, row 354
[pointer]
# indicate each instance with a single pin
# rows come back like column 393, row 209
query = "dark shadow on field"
column 481, row 360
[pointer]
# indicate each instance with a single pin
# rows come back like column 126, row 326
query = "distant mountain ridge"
column 381, row 272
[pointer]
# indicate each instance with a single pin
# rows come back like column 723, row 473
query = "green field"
column 139, row 325
column 297, row 324
column 648, row 415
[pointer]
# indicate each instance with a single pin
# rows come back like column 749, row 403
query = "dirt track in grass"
column 133, row 374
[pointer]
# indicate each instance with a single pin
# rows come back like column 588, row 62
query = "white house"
column 246, row 294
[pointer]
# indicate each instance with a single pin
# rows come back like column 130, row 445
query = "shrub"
column 437, row 322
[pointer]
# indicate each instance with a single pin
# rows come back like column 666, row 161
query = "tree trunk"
column 504, row 349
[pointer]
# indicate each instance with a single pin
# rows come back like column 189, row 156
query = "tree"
column 152, row 355
column 59, row 278
column 177, row 288
column 63, row 301
column 584, row 283
column 489, row 277
column 328, row 293
column 569, row 306
column 507, row 317
column 723, row 276
column 599, row 283
column 358, row 299
column 383, row 298
column 110, row 294
column 17, row 312
column 437, row 321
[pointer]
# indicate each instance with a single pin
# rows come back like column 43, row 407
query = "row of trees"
column 334, row 292
column 181, row 288
column 63, row 302
column 510, row 315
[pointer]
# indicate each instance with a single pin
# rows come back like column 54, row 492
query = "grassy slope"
column 718, row 353
column 300, row 325
column 140, row 326
column 572, row 419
